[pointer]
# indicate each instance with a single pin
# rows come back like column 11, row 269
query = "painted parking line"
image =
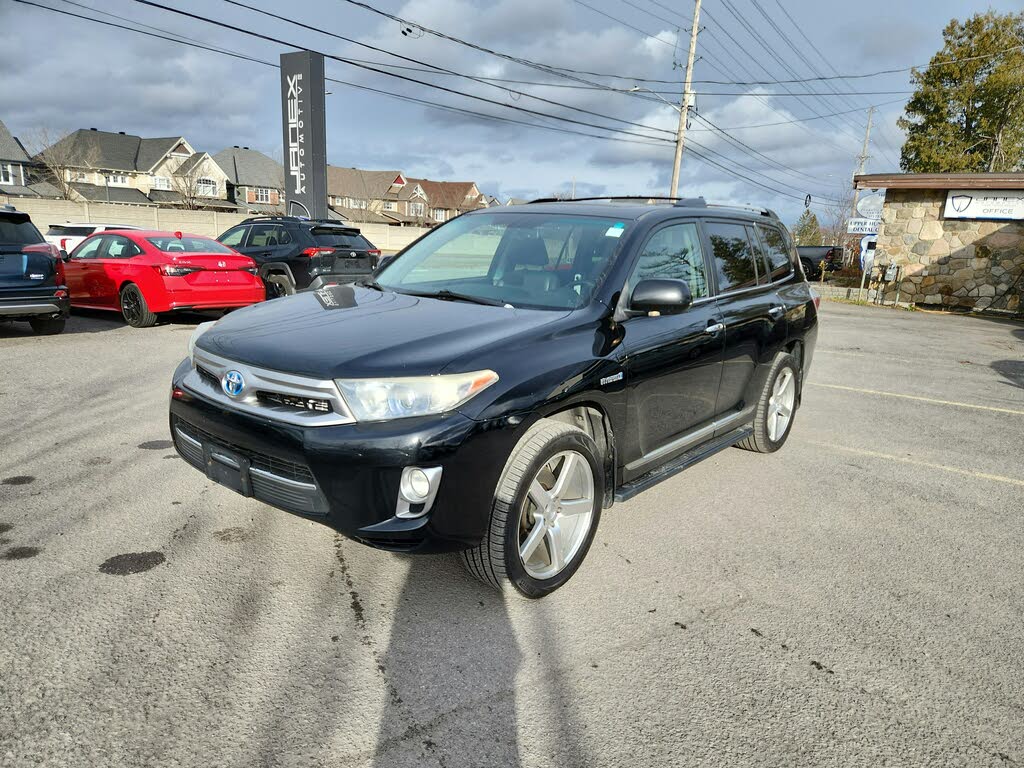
column 919, row 463
column 917, row 397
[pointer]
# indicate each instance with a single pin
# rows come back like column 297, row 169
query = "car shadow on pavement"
column 450, row 669
column 1011, row 370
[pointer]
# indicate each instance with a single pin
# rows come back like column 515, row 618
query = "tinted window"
column 674, row 252
column 118, row 247
column 234, row 237
column 734, row 257
column 338, row 238
column 268, row 236
column 187, row 244
column 18, row 230
column 87, row 249
column 777, row 251
column 61, row 230
column 760, row 258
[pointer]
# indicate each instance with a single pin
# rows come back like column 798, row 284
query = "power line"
column 620, row 21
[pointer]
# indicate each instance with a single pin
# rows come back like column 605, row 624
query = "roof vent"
column 92, row 129
column 120, row 133
column 244, row 147
column 236, row 146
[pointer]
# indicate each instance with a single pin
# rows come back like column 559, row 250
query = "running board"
column 681, row 462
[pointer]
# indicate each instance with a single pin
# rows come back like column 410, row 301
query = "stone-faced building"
column 957, row 238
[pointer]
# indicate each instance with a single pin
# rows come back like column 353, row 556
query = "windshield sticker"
column 615, row 230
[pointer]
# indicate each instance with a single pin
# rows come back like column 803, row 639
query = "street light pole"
column 681, row 130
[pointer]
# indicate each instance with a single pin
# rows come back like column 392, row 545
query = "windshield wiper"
column 447, row 295
column 370, row 283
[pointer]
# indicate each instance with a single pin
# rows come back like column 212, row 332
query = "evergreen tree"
column 807, row 230
column 967, row 113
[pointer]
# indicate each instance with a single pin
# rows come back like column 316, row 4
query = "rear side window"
column 733, row 256
column 118, row 247
column 777, row 252
column 59, row 230
column 269, row 235
column 18, row 230
column 674, row 252
column 234, row 237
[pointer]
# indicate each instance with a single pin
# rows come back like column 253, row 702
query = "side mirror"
column 64, row 255
column 383, row 262
column 665, row 297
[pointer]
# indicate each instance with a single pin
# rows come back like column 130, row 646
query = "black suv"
column 32, row 285
column 506, row 378
column 294, row 254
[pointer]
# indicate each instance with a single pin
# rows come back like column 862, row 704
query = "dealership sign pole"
column 305, row 134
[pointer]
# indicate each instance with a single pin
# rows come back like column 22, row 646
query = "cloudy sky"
column 62, row 73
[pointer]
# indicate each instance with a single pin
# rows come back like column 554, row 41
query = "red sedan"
column 143, row 273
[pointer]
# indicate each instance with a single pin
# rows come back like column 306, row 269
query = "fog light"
column 416, row 491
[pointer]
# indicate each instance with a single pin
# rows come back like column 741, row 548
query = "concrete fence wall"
column 208, row 223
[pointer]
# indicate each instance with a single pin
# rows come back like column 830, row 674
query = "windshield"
column 538, row 260
column 188, row 244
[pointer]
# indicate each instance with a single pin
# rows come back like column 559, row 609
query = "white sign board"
column 867, row 252
column 1003, row 204
column 870, row 206
column 861, row 226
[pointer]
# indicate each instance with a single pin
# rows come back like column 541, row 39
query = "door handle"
column 776, row 312
column 715, row 328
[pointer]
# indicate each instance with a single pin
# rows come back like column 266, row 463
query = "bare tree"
column 59, row 159
column 835, row 217
column 187, row 186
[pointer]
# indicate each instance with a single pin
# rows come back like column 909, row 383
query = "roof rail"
column 767, row 212
column 611, row 198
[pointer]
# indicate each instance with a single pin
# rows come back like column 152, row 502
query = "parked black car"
column 294, row 254
column 32, row 284
column 814, row 258
column 506, row 378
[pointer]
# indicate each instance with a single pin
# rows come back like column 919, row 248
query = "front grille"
column 291, row 401
column 280, row 467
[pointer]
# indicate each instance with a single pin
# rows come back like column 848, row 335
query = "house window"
column 354, row 203
column 415, row 209
column 206, row 187
column 116, row 179
column 161, row 182
column 390, row 205
column 439, row 214
column 6, row 174
column 262, row 195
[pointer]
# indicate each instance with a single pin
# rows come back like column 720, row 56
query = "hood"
column 346, row 331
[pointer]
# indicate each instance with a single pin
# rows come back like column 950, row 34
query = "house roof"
column 360, row 184
column 10, row 148
column 170, row 197
column 450, row 195
column 939, row 181
column 248, row 168
column 112, row 151
column 516, row 201
column 190, row 164
column 360, row 215
column 94, row 193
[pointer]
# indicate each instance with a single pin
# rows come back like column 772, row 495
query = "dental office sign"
column 1002, row 204
column 305, row 134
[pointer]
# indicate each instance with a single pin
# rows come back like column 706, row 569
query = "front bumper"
column 347, row 476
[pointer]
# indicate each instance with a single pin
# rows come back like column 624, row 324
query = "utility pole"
column 685, row 108
column 856, row 192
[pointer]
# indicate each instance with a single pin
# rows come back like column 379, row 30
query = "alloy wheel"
column 557, row 514
column 780, row 404
column 131, row 307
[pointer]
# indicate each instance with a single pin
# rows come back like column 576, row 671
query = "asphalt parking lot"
column 853, row 600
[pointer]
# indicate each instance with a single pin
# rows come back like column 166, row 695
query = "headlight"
column 381, row 399
column 199, row 331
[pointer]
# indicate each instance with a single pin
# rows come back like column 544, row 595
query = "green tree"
column 807, row 230
column 967, row 112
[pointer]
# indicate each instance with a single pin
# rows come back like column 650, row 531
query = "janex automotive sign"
column 305, row 134
column 1004, row 204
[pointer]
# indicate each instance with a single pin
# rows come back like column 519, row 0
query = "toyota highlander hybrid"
column 506, row 378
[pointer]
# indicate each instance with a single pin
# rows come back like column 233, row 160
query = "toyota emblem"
column 232, row 383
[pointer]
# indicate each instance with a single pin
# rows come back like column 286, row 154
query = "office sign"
column 861, row 226
column 305, row 134
column 1001, row 204
column 870, row 206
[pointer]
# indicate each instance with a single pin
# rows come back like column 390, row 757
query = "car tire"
column 134, row 308
column 278, row 285
column 548, row 450
column 781, row 394
column 47, row 326
column 810, row 271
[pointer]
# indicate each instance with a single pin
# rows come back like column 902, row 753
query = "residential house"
column 447, row 199
column 14, row 161
column 385, row 197
column 255, row 181
column 516, row 201
column 102, row 166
